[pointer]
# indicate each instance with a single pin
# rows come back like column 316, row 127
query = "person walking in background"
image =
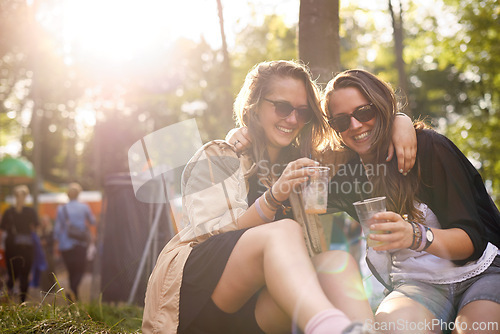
column 20, row 222
column 72, row 236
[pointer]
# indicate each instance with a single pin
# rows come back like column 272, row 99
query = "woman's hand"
column 293, row 175
column 451, row 244
column 397, row 233
column 240, row 139
column 404, row 141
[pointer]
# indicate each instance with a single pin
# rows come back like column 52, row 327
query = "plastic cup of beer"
column 315, row 191
column 365, row 210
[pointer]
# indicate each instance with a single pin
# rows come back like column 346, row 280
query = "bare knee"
column 480, row 316
column 286, row 229
column 403, row 310
column 282, row 235
column 335, row 260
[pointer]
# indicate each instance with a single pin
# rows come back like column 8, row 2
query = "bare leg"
column 272, row 255
column 401, row 315
column 339, row 276
column 279, row 323
column 481, row 316
column 341, row 281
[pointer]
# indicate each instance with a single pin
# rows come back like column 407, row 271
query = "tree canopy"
column 88, row 113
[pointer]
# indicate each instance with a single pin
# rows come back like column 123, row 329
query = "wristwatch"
column 429, row 237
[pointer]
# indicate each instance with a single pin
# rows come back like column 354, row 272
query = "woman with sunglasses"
column 241, row 264
column 443, row 264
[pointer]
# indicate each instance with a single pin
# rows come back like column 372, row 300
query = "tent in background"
column 15, row 171
column 133, row 234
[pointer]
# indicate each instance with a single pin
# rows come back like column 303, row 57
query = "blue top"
column 78, row 213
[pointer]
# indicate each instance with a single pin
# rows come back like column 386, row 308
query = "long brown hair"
column 399, row 190
column 257, row 85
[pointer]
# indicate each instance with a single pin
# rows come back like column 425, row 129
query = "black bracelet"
column 272, row 195
column 269, row 200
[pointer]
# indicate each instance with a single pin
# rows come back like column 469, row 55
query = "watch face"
column 429, row 235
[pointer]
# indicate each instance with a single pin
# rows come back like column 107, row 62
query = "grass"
column 73, row 318
column 64, row 316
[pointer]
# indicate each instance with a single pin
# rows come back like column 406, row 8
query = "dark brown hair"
column 400, row 190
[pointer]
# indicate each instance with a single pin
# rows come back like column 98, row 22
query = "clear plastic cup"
column 315, row 191
column 365, row 210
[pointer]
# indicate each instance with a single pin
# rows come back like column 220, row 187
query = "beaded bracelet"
column 414, row 234
column 270, row 201
column 422, row 240
column 417, row 236
column 261, row 213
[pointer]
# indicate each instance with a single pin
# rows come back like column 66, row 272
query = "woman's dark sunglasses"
column 284, row 109
column 342, row 122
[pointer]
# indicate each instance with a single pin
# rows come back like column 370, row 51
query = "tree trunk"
column 226, row 83
column 319, row 41
column 37, row 114
column 397, row 25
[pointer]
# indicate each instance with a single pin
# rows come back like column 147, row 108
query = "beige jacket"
column 214, row 188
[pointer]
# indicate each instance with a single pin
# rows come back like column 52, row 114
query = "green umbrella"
column 16, row 171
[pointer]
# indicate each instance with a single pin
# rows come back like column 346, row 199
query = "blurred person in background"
column 20, row 222
column 73, row 216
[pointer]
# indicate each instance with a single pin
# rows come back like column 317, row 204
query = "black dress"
column 19, row 255
column 202, row 271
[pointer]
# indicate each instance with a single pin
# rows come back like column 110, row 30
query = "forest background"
column 81, row 81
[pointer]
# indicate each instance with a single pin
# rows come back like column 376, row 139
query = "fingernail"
column 405, row 173
column 316, row 163
column 387, row 159
column 401, row 170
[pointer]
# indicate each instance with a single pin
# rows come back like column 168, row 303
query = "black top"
column 18, row 222
column 451, row 187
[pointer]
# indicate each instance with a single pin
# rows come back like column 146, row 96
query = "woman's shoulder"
column 216, row 157
column 433, row 146
column 428, row 134
column 219, row 147
column 6, row 215
column 431, row 139
column 9, row 209
column 214, row 148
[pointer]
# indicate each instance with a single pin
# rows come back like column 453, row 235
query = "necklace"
column 368, row 168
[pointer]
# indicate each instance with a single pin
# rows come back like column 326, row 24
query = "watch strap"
column 428, row 241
